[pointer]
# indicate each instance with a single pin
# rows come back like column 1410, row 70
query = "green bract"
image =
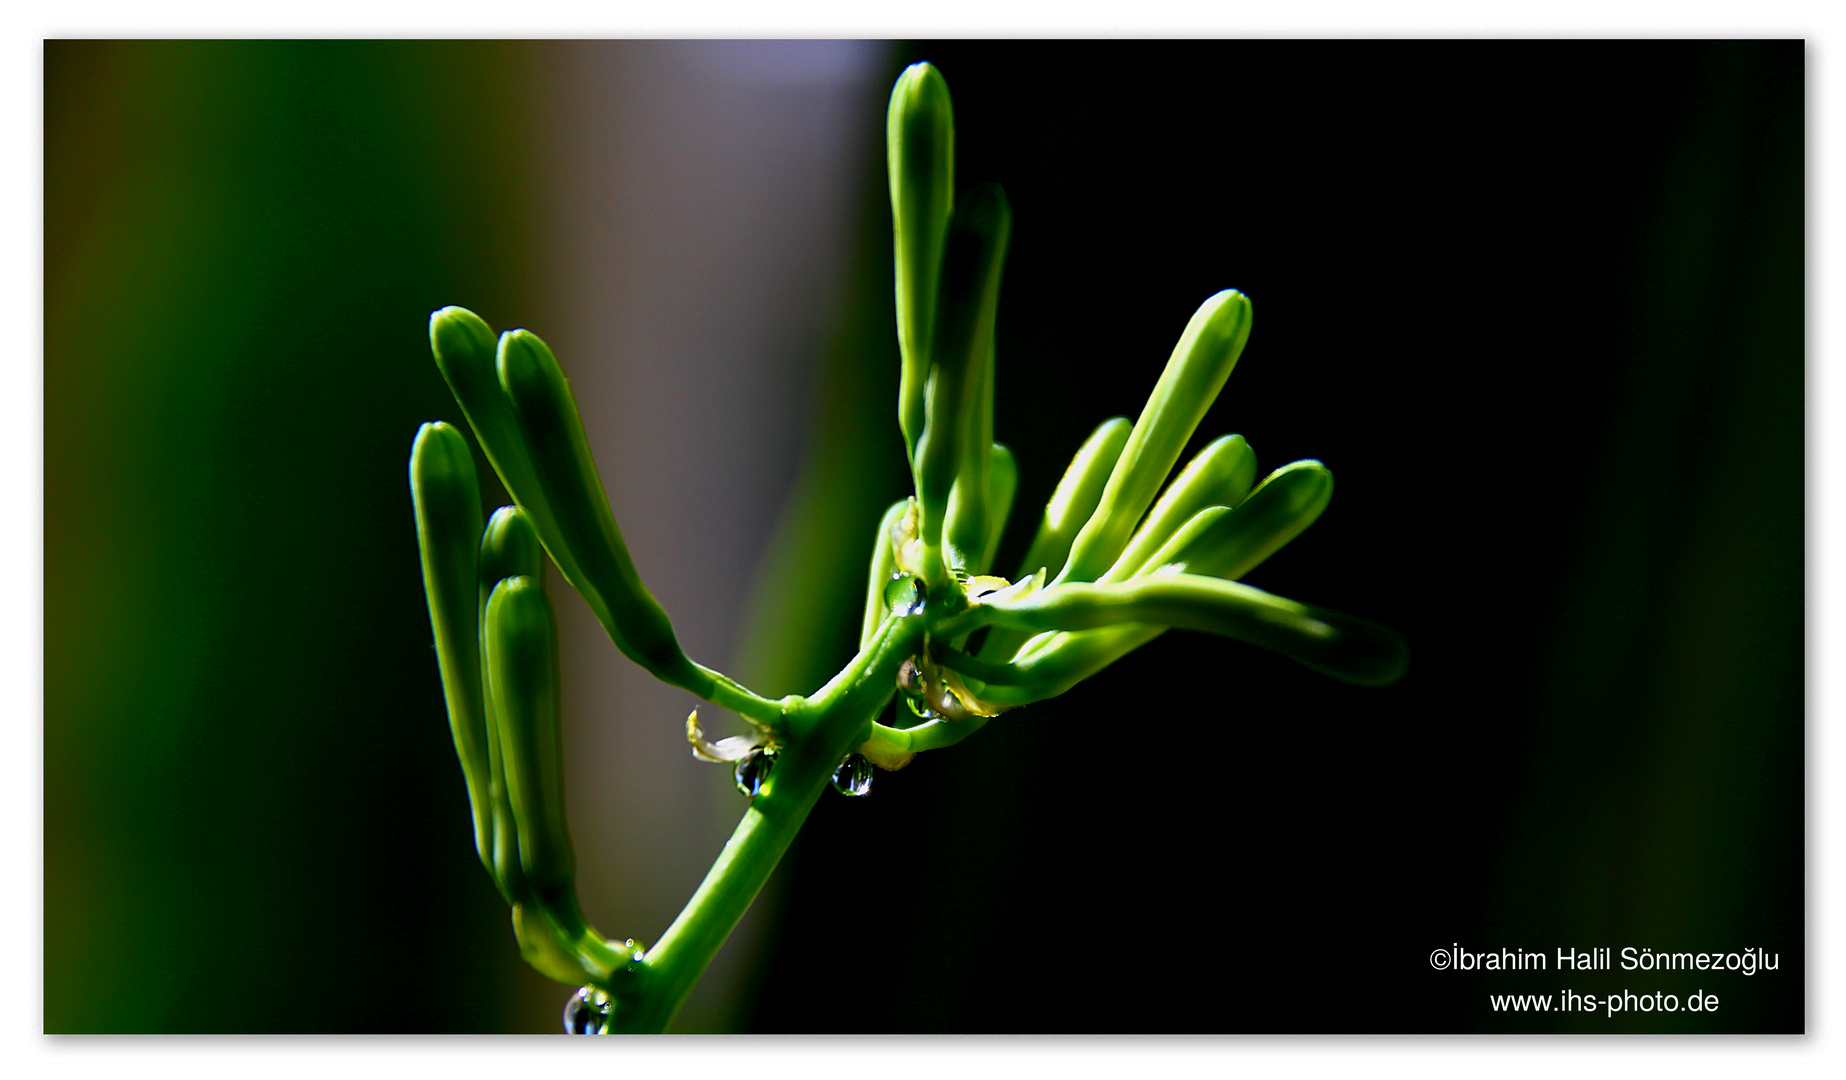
column 1115, row 562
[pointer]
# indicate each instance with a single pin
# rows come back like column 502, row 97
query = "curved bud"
column 465, row 352
column 446, row 497
column 971, row 267
column 920, row 157
column 583, row 528
column 1231, row 543
column 1348, row 648
column 1201, row 362
column 522, row 665
column 1220, row 475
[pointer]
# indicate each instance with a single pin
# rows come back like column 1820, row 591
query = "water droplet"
column 905, row 594
column 854, row 776
column 910, row 688
column 586, row 1012
column 752, row 771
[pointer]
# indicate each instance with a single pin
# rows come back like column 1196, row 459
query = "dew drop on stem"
column 752, row 771
column 586, row 1012
column 853, row 777
column 910, row 687
column 905, row 594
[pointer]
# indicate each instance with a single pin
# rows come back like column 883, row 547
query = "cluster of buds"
column 1116, row 562
column 1111, row 566
column 496, row 646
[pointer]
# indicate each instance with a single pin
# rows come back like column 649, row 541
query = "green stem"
column 726, row 692
column 820, row 731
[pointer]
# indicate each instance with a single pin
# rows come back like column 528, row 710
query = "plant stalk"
column 821, row 730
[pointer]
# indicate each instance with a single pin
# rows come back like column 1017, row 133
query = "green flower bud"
column 1002, row 483
column 1076, row 496
column 1071, row 504
column 920, row 151
column 446, row 496
column 1345, row 647
column 1056, row 662
column 1201, row 362
column 465, row 352
column 583, row 527
column 971, row 267
column 509, row 548
column 1220, row 475
column 522, row 665
column 1002, row 486
column 1231, row 543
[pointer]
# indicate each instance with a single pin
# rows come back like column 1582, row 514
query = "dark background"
column 1538, row 305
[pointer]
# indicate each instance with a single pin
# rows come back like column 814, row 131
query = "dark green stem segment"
column 821, row 731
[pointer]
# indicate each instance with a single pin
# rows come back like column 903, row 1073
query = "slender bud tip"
column 919, row 82
column 453, row 328
column 439, row 454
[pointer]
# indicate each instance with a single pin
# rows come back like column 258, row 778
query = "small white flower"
column 735, row 748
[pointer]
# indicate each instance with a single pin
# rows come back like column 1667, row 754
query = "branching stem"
column 820, row 731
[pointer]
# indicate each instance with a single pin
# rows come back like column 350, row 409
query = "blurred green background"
column 1538, row 305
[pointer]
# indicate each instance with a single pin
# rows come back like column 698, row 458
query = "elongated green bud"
column 1046, row 670
column 1220, row 475
column 585, row 527
column 509, row 548
column 1231, row 543
column 884, row 564
column 1209, row 348
column 1343, row 646
column 920, row 157
column 970, row 292
column 1071, row 505
column 1002, row 486
column 446, row 496
column 1076, row 496
column 465, row 353
column 522, row 661
column 969, row 521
